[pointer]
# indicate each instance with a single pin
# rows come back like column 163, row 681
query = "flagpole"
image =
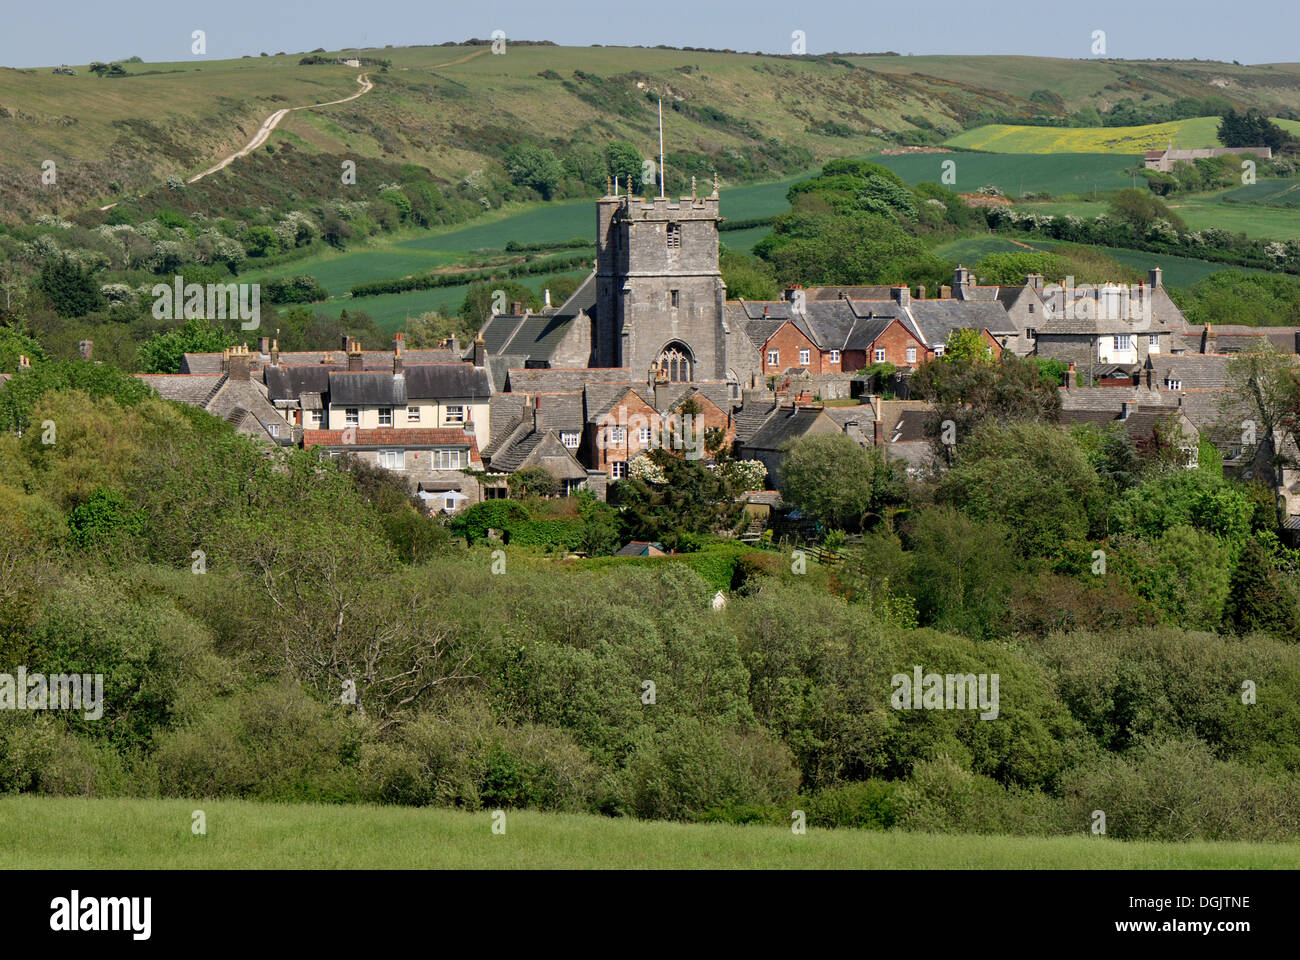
column 661, row 147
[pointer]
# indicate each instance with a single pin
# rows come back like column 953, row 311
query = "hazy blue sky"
column 78, row 31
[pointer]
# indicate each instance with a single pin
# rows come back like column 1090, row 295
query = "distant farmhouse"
column 1164, row 160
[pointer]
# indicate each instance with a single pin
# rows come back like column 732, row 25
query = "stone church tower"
column 660, row 298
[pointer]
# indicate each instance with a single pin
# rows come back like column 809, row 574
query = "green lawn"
column 64, row 833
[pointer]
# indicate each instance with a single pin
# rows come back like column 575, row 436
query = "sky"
column 79, row 31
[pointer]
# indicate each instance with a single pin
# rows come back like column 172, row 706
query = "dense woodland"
column 229, row 596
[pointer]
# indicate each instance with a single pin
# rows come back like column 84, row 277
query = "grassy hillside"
column 59, row 833
column 1193, row 133
column 455, row 110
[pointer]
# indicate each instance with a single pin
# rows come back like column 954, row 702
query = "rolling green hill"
column 456, row 109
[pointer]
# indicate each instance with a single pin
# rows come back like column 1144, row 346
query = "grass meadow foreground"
column 75, row 833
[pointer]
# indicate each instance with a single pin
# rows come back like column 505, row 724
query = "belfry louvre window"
column 674, row 236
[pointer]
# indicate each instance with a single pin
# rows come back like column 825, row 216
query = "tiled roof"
column 394, row 437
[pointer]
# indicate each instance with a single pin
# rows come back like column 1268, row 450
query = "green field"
column 459, row 247
column 1192, row 133
column 1017, row 173
column 1279, row 193
column 1178, row 271
column 1199, row 213
column 75, row 833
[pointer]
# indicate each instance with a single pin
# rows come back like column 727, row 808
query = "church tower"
column 660, row 298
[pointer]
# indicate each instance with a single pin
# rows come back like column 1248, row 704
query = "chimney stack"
column 397, row 353
column 356, row 360
column 920, row 291
column 345, row 343
column 237, row 366
column 87, row 349
column 1127, row 409
column 945, row 292
column 275, row 352
column 1155, row 275
column 263, row 345
column 516, row 308
column 23, row 362
column 480, row 351
column 960, row 279
column 902, row 296
column 539, row 422
column 1069, row 376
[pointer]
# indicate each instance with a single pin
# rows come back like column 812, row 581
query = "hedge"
column 431, row 281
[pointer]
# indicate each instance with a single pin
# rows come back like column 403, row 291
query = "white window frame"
column 911, row 354
column 938, row 350
column 352, row 416
column 385, row 412
column 643, row 435
column 835, row 356
column 392, row 459
column 773, row 357
column 413, row 414
column 449, row 458
column 879, row 354
column 1123, row 341
column 453, row 413
column 805, row 357
column 571, row 440
column 1031, row 333
column 615, row 434
column 1173, row 383
column 315, row 417
column 617, row 469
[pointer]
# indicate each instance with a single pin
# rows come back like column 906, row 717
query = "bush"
column 695, row 767
column 872, row 803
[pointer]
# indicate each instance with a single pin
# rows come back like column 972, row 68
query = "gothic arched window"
column 675, row 362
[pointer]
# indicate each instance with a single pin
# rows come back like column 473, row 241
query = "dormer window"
column 674, row 236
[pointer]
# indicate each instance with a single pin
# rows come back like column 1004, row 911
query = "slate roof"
column 1140, row 424
column 783, row 428
column 242, row 403
column 189, row 388
column 563, row 379
column 1197, row 371
column 288, row 383
column 446, row 380
column 211, row 362
column 366, row 389
column 934, row 320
